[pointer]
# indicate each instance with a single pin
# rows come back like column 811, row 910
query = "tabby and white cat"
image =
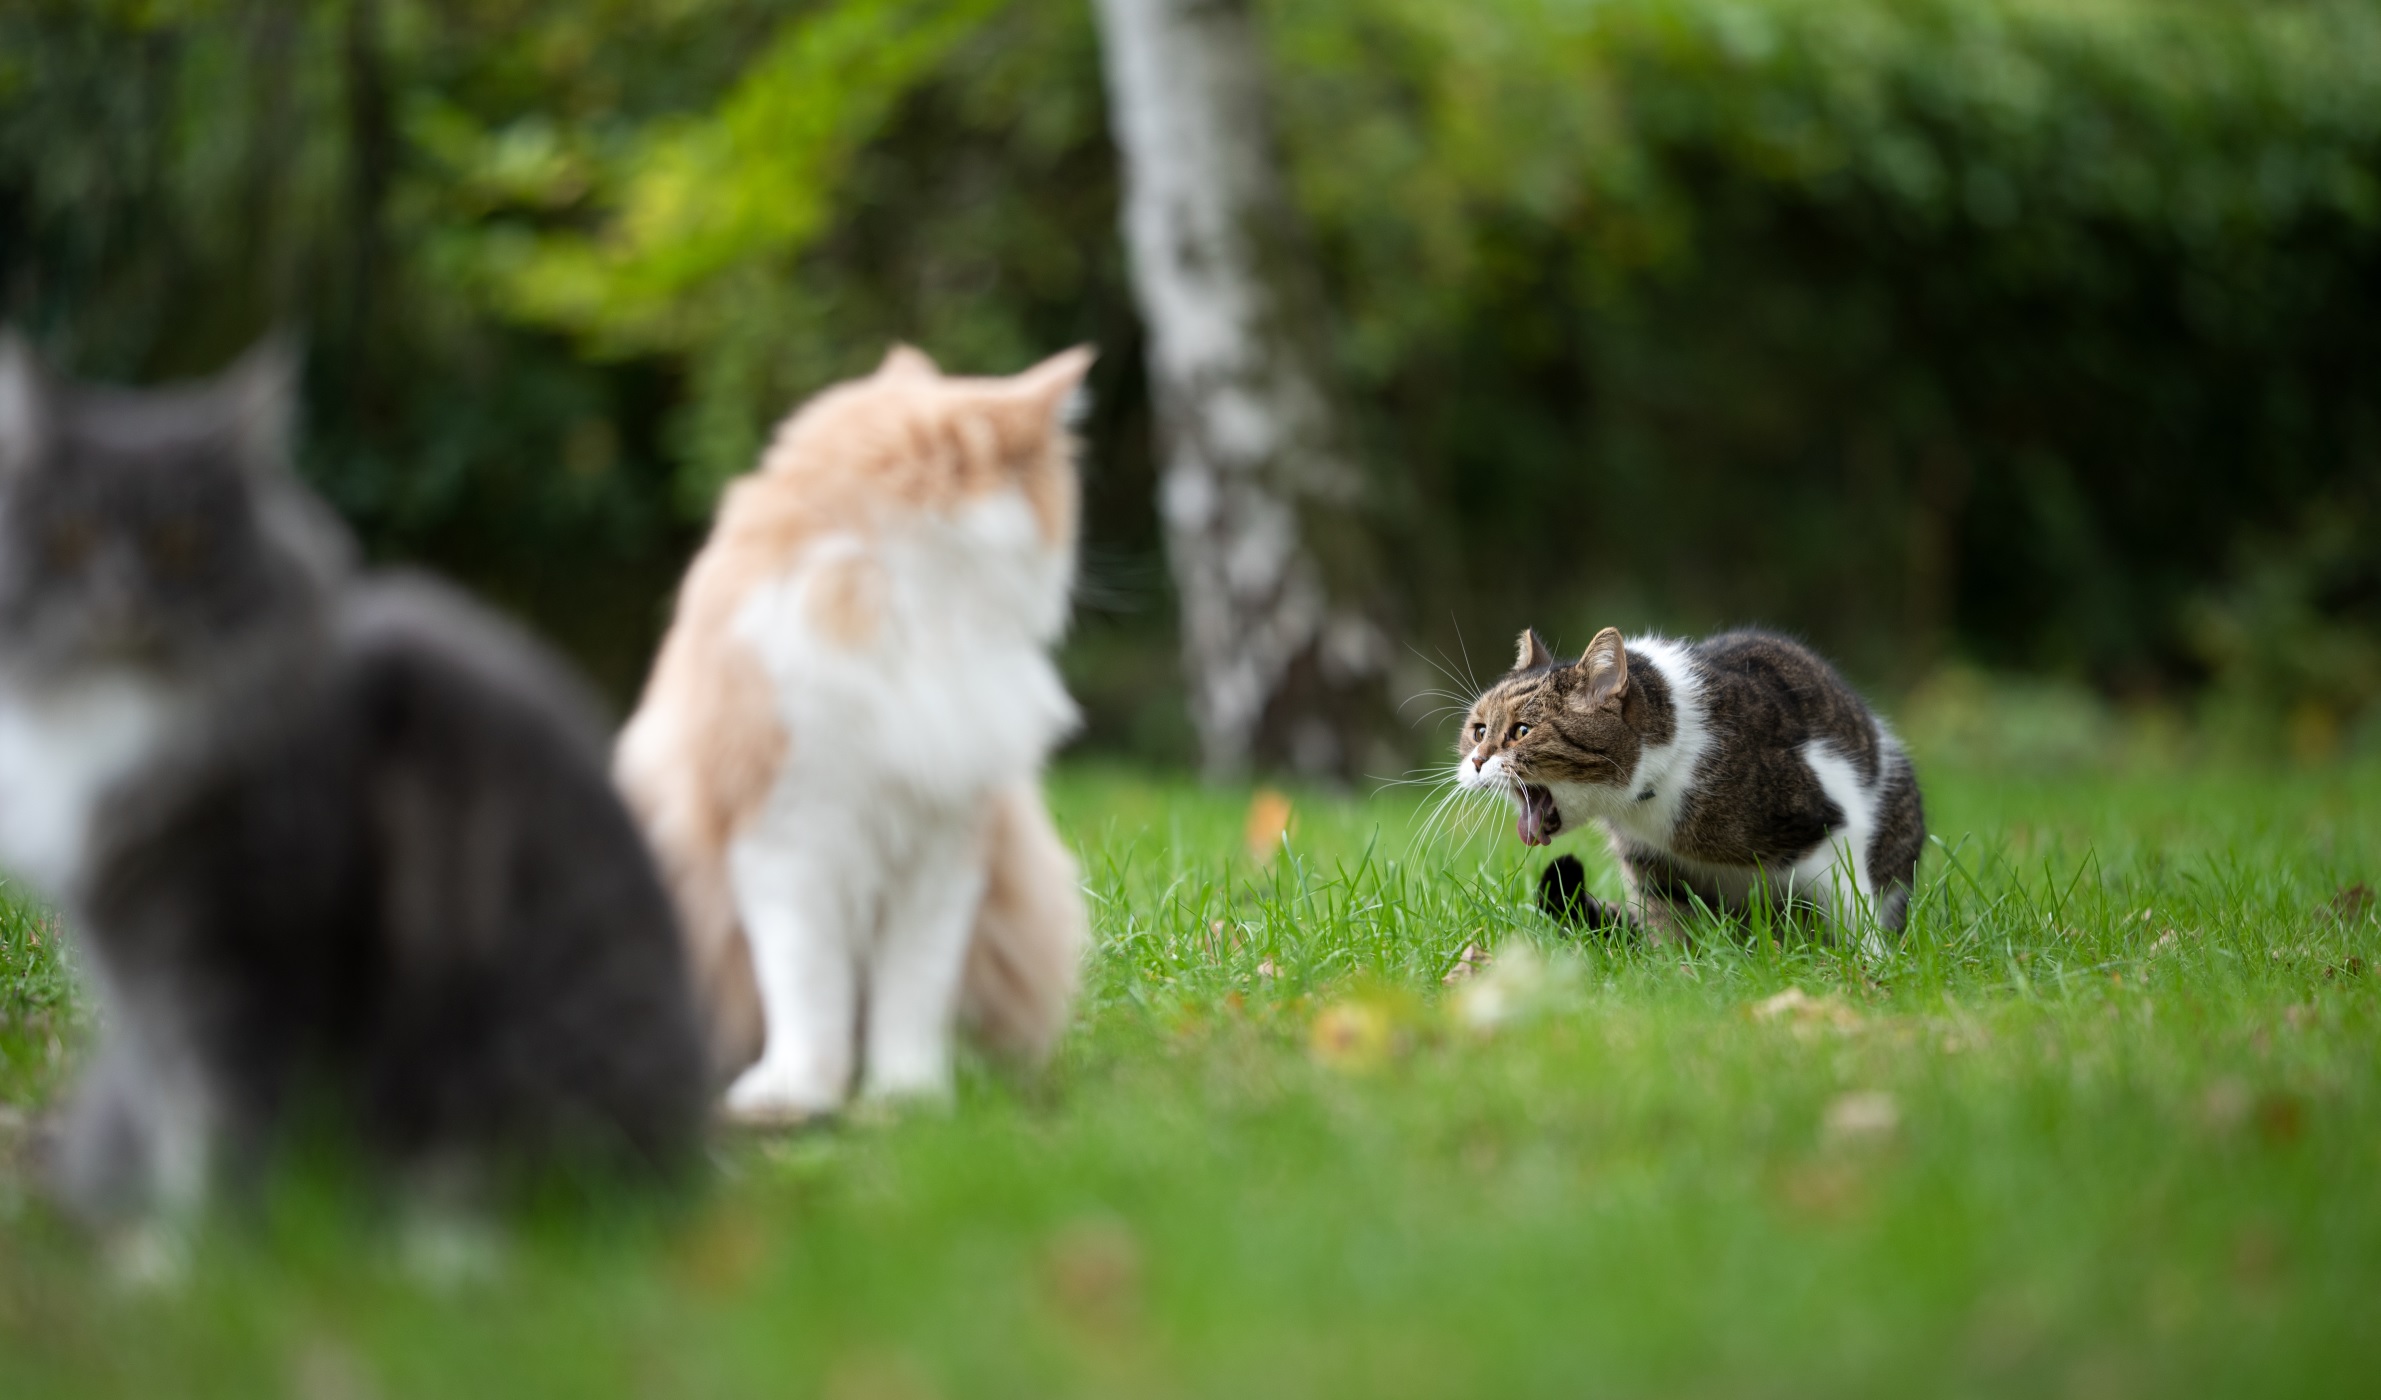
column 333, row 850
column 837, row 756
column 1716, row 768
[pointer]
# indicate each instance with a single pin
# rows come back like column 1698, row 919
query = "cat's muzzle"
column 1541, row 821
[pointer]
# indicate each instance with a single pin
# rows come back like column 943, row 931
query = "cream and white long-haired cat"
column 837, row 757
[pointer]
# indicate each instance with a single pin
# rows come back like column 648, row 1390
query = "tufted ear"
column 1051, row 383
column 24, row 403
column 259, row 395
column 1030, row 406
column 1531, row 651
column 908, row 362
column 1605, row 664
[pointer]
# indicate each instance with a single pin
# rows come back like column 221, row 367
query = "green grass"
column 1279, row 1157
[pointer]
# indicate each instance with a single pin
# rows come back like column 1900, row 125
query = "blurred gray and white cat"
column 335, row 850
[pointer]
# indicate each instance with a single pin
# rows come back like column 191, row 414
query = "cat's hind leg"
column 1834, row 875
column 1659, row 896
column 1834, row 881
column 915, row 964
column 1899, row 841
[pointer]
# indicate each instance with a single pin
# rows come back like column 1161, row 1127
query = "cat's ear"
column 1531, row 651
column 1605, row 667
column 1026, row 409
column 259, row 398
column 1048, row 386
column 908, row 362
column 24, row 403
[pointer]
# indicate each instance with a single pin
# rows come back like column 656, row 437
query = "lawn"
column 2107, row 1123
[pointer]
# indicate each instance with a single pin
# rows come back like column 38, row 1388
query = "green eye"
column 1520, row 731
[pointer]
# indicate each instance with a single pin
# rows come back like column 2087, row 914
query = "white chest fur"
column 950, row 690
column 1648, row 808
column 62, row 749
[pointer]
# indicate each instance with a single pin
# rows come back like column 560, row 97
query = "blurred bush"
column 2036, row 335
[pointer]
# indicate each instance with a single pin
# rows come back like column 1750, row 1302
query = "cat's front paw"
column 1563, row 897
column 777, row 1096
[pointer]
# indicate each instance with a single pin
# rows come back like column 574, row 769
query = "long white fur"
column 859, row 879
column 61, row 750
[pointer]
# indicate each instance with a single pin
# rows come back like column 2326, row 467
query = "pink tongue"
column 1539, row 820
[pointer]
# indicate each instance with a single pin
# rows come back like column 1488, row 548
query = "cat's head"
column 911, row 436
column 151, row 530
column 1550, row 721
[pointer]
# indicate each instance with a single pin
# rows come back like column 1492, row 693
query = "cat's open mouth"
column 1540, row 818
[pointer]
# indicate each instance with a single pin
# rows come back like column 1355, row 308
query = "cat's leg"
column 1563, row 897
column 1653, row 893
column 136, row 1138
column 1834, row 880
column 914, row 968
column 804, row 964
column 1899, row 841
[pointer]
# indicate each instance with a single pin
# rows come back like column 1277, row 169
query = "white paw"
column 925, row 1082
column 773, row 1096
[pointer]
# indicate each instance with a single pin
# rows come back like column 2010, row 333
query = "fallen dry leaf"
column 1352, row 1035
column 1092, row 1270
column 1806, row 1014
column 1515, row 985
column 722, row 1255
column 874, row 1375
column 2281, row 1118
column 1862, row 1117
column 1266, row 969
column 1269, row 814
column 2353, row 902
column 325, row 1368
column 2225, row 1105
column 2257, row 1257
column 1467, row 964
column 1828, row 1190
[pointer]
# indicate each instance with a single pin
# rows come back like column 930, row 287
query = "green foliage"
column 693, row 199
column 882, row 169
column 2006, row 331
column 2102, row 1125
column 1917, row 325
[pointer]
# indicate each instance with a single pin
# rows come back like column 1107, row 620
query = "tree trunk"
column 1263, row 505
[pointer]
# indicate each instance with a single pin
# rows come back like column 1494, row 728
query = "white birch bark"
column 1260, row 501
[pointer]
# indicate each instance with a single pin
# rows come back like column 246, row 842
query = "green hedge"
column 2035, row 334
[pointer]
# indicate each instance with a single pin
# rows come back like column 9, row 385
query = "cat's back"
column 538, row 987
column 1773, row 691
column 414, row 653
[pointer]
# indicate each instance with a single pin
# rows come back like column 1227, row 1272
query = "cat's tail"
column 1025, row 961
